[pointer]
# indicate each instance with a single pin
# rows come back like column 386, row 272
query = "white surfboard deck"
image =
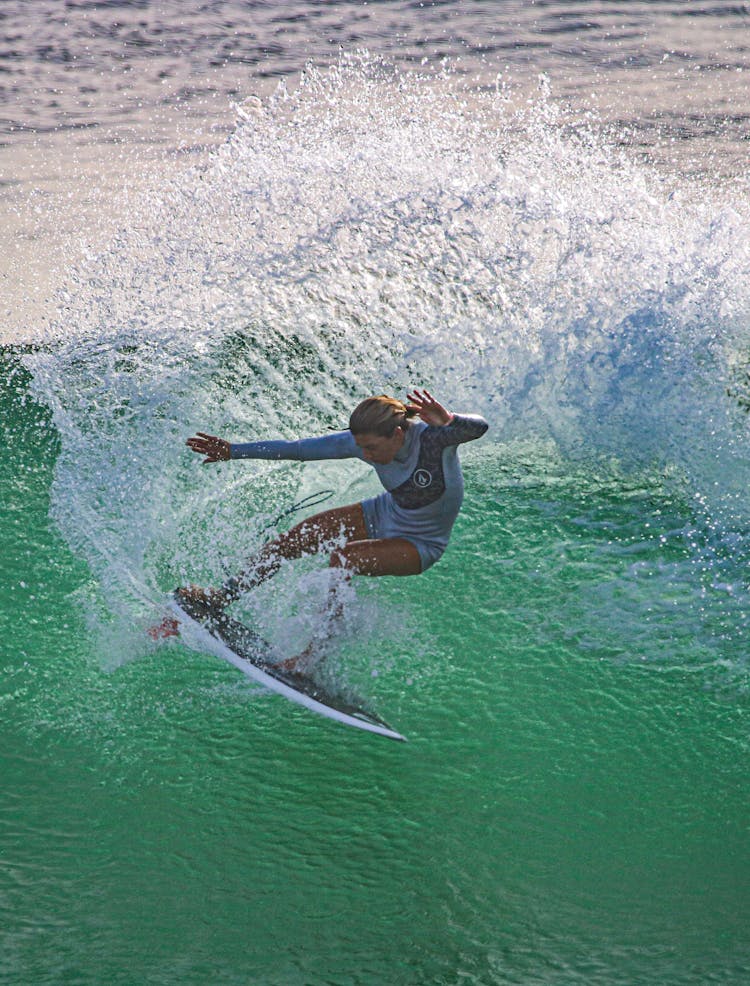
column 241, row 647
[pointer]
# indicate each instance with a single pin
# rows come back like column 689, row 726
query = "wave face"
column 373, row 231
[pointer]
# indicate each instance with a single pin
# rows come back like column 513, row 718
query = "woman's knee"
column 339, row 559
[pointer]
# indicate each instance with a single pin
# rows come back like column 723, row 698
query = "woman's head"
column 379, row 416
column 379, row 427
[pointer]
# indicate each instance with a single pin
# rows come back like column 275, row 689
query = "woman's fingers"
column 421, row 399
column 203, row 440
column 428, row 408
column 215, row 449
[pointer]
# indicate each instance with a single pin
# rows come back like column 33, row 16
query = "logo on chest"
column 422, row 478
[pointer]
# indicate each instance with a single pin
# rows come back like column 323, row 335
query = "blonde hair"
column 379, row 416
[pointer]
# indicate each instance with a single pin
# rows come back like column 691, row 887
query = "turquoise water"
column 572, row 805
column 572, row 677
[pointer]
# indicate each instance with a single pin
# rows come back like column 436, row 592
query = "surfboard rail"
column 216, row 637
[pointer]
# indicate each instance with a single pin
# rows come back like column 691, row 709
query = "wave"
column 372, row 231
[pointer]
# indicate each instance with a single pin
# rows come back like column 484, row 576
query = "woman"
column 403, row 531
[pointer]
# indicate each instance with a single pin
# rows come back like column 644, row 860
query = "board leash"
column 231, row 585
column 309, row 501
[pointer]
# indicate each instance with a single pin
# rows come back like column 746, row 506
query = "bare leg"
column 385, row 556
column 333, row 611
column 382, row 556
column 304, row 538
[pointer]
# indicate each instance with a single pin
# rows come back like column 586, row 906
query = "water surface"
column 569, row 259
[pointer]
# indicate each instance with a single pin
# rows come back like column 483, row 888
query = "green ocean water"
column 571, row 806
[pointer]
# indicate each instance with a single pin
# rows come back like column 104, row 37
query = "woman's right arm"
column 338, row 445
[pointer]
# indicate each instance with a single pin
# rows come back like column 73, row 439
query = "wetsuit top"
column 424, row 483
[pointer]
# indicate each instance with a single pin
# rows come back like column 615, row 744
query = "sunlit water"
column 572, row 677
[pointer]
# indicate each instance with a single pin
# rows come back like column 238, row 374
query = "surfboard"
column 246, row 650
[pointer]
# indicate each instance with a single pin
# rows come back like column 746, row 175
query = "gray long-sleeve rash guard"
column 424, row 484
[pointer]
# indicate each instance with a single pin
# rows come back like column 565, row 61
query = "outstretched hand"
column 429, row 410
column 215, row 449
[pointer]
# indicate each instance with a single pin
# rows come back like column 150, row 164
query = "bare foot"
column 169, row 627
column 298, row 664
column 201, row 602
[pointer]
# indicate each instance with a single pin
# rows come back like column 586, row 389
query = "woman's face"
column 376, row 448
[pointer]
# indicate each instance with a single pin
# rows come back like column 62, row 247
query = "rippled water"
column 97, row 102
column 80, row 64
column 568, row 256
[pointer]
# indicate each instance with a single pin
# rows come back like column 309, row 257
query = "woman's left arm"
column 459, row 428
column 465, row 428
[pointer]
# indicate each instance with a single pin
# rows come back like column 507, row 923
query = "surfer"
column 402, row 531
